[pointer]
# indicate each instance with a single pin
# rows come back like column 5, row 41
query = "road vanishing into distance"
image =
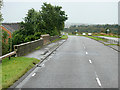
column 80, row 62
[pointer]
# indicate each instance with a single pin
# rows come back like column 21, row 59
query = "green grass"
column 99, row 39
column 55, row 40
column 116, row 36
column 38, row 48
column 14, row 68
column 95, row 38
column 0, row 76
column 113, row 44
column 64, row 37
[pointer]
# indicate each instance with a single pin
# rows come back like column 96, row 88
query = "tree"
column 4, row 36
column 53, row 17
column 50, row 20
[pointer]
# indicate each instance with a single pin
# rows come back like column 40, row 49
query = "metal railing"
column 7, row 55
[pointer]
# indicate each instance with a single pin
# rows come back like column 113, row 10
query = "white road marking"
column 98, row 80
column 84, row 46
column 34, row 74
column 86, row 52
column 90, row 61
column 43, row 65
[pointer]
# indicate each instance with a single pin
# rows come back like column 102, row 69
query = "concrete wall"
column 28, row 47
column 46, row 39
column 25, row 48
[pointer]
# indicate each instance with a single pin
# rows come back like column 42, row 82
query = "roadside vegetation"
column 96, row 29
column 96, row 38
column 107, row 35
column 63, row 37
column 14, row 68
column 1, row 45
column 112, row 44
column 49, row 20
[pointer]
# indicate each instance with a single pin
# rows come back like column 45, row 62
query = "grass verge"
column 113, row 44
column 14, row 68
column 0, row 76
column 38, row 48
column 63, row 37
column 96, row 38
column 100, row 39
column 115, row 36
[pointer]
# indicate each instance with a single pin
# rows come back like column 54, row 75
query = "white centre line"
column 86, row 52
column 34, row 74
column 84, row 47
column 98, row 80
column 90, row 61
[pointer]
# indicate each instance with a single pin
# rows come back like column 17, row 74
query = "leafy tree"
column 50, row 20
column 4, row 35
column 53, row 17
column 17, row 38
column 93, row 28
column 5, row 45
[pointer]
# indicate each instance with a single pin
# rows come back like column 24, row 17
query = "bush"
column 17, row 39
column 37, row 35
column 5, row 48
column 29, row 38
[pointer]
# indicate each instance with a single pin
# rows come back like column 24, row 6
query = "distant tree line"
column 49, row 20
column 93, row 28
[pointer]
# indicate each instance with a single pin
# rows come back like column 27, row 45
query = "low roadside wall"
column 25, row 48
column 46, row 39
column 28, row 47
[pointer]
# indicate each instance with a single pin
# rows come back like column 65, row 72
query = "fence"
column 7, row 55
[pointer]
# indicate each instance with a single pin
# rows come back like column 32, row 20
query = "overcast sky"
column 89, row 12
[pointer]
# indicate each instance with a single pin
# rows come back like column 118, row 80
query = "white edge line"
column 33, row 74
column 43, row 65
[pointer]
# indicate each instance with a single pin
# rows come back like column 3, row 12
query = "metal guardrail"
column 7, row 55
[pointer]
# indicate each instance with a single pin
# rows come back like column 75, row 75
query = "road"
column 79, row 63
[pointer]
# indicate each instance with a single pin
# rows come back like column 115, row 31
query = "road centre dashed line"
column 90, row 61
column 96, row 76
column 98, row 80
column 84, row 48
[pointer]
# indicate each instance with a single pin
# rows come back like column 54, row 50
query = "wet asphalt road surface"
column 79, row 63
